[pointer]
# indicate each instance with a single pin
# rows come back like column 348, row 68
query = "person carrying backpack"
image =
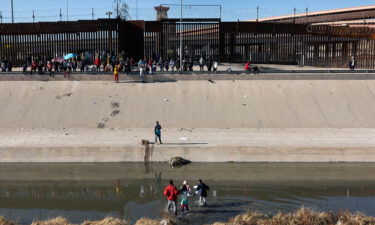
column 202, row 190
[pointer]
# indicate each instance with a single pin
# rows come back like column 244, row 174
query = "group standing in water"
column 185, row 192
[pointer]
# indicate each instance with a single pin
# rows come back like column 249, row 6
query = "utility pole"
column 60, row 15
column 220, row 11
column 1, row 17
column 294, row 15
column 33, row 17
column 136, row 9
column 67, row 10
column 181, row 39
column 257, row 13
column 117, row 15
column 307, row 12
column 92, row 13
column 11, row 6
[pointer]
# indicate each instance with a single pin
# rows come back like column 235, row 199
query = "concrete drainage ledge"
column 194, row 154
column 240, row 75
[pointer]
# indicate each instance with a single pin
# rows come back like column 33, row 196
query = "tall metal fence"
column 233, row 42
column 22, row 41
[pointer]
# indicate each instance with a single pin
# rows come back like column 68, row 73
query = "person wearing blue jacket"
column 157, row 131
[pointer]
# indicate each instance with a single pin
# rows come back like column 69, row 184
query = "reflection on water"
column 130, row 191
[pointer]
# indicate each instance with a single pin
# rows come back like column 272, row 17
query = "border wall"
column 231, row 42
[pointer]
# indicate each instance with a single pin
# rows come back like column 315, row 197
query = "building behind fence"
column 266, row 42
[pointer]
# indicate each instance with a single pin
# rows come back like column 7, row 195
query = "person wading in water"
column 171, row 193
column 202, row 189
column 157, row 131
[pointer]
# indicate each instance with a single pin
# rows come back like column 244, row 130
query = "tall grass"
column 302, row 216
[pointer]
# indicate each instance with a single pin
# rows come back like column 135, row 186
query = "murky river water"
column 93, row 191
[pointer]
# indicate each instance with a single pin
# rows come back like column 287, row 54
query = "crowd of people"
column 49, row 65
column 152, row 65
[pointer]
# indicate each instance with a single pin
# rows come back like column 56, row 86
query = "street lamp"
column 117, row 14
column 109, row 13
column 136, row 9
column 67, row 10
column 11, row 6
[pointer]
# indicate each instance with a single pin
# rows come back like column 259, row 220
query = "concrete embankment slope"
column 192, row 104
column 241, row 121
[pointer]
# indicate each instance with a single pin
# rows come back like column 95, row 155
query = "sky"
column 232, row 10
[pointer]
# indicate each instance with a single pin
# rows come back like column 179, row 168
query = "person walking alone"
column 157, row 131
column 171, row 192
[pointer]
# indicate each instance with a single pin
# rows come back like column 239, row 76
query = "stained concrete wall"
column 195, row 154
column 193, row 104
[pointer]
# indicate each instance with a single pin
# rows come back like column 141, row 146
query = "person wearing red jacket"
column 171, row 192
column 97, row 64
column 247, row 66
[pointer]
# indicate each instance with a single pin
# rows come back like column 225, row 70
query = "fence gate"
column 199, row 38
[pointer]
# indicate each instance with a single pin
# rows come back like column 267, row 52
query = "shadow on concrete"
column 146, row 81
column 185, row 143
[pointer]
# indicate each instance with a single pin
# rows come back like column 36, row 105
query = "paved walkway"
column 197, row 145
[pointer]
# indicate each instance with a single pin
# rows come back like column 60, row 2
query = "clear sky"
column 231, row 9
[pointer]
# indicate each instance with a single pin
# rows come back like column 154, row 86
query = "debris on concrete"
column 64, row 95
column 105, row 119
column 211, row 81
column 101, row 125
column 190, row 130
column 115, row 104
column 184, row 138
column 166, row 100
column 67, row 95
column 178, row 161
column 115, row 112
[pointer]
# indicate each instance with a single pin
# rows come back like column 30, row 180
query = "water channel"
column 91, row 191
